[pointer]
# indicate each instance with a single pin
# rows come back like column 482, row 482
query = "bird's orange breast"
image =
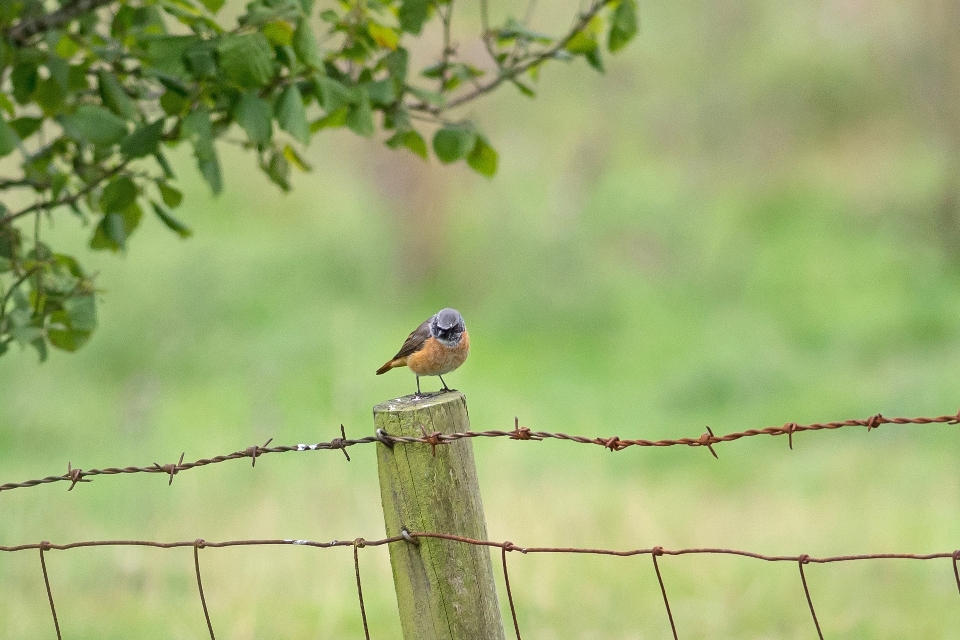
column 436, row 359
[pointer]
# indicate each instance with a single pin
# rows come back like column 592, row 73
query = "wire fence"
column 436, row 438
column 505, row 547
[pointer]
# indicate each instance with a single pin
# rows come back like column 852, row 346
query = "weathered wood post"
column 445, row 589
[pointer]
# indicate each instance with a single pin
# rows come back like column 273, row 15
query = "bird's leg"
column 418, row 387
column 445, row 387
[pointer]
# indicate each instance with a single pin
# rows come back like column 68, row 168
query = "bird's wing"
column 415, row 340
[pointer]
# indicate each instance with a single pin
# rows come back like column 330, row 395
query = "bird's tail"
column 387, row 367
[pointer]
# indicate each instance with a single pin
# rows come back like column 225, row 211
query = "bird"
column 436, row 347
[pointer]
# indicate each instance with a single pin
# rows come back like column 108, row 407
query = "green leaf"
column 295, row 159
column 585, row 40
column 582, row 43
column 119, row 194
column 166, row 53
column 174, row 103
column 50, row 96
column 305, row 45
column 428, row 97
column 95, row 124
column 198, row 128
column 292, row 115
column 623, row 25
column 164, row 164
column 40, row 345
column 114, row 228
column 114, row 96
column 253, row 114
column 9, row 241
column 8, row 139
column 213, row 5
column 143, row 141
column 82, row 311
column 336, row 118
column 26, row 126
column 397, row 64
column 7, row 105
column 278, row 170
column 172, row 223
column 201, row 59
column 595, row 59
column 381, row 92
column 279, row 33
column 411, row 140
column 110, row 233
column 171, row 196
column 66, row 47
column 385, row 37
column 246, row 60
column 524, row 89
column 332, row 94
column 360, row 115
column 63, row 335
column 24, row 78
column 412, row 14
column 453, row 142
column 483, row 158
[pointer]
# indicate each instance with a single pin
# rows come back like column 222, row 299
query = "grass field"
column 736, row 226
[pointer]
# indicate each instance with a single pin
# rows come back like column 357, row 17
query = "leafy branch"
column 93, row 99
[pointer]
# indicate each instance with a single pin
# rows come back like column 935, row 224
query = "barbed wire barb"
column 46, row 582
column 802, row 560
column 197, row 545
column 338, row 443
column 254, row 451
column 357, row 545
column 75, row 475
column 657, row 551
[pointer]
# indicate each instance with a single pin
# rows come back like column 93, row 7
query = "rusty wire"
column 505, row 547
column 613, row 443
column 197, row 545
column 46, row 582
column 358, row 544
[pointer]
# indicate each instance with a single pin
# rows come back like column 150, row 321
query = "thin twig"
column 509, row 73
column 37, row 206
column 26, row 29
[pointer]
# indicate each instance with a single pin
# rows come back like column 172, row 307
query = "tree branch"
column 26, row 29
column 67, row 200
column 512, row 72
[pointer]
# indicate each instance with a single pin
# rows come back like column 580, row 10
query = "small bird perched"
column 436, row 347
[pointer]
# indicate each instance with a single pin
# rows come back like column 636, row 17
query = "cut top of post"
column 414, row 403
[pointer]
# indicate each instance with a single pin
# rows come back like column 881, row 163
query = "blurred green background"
column 750, row 219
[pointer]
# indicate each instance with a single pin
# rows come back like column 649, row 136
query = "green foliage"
column 91, row 99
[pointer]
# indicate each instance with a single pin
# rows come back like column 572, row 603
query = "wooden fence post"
column 445, row 589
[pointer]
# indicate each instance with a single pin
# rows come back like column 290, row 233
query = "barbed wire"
column 436, row 438
column 505, row 547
